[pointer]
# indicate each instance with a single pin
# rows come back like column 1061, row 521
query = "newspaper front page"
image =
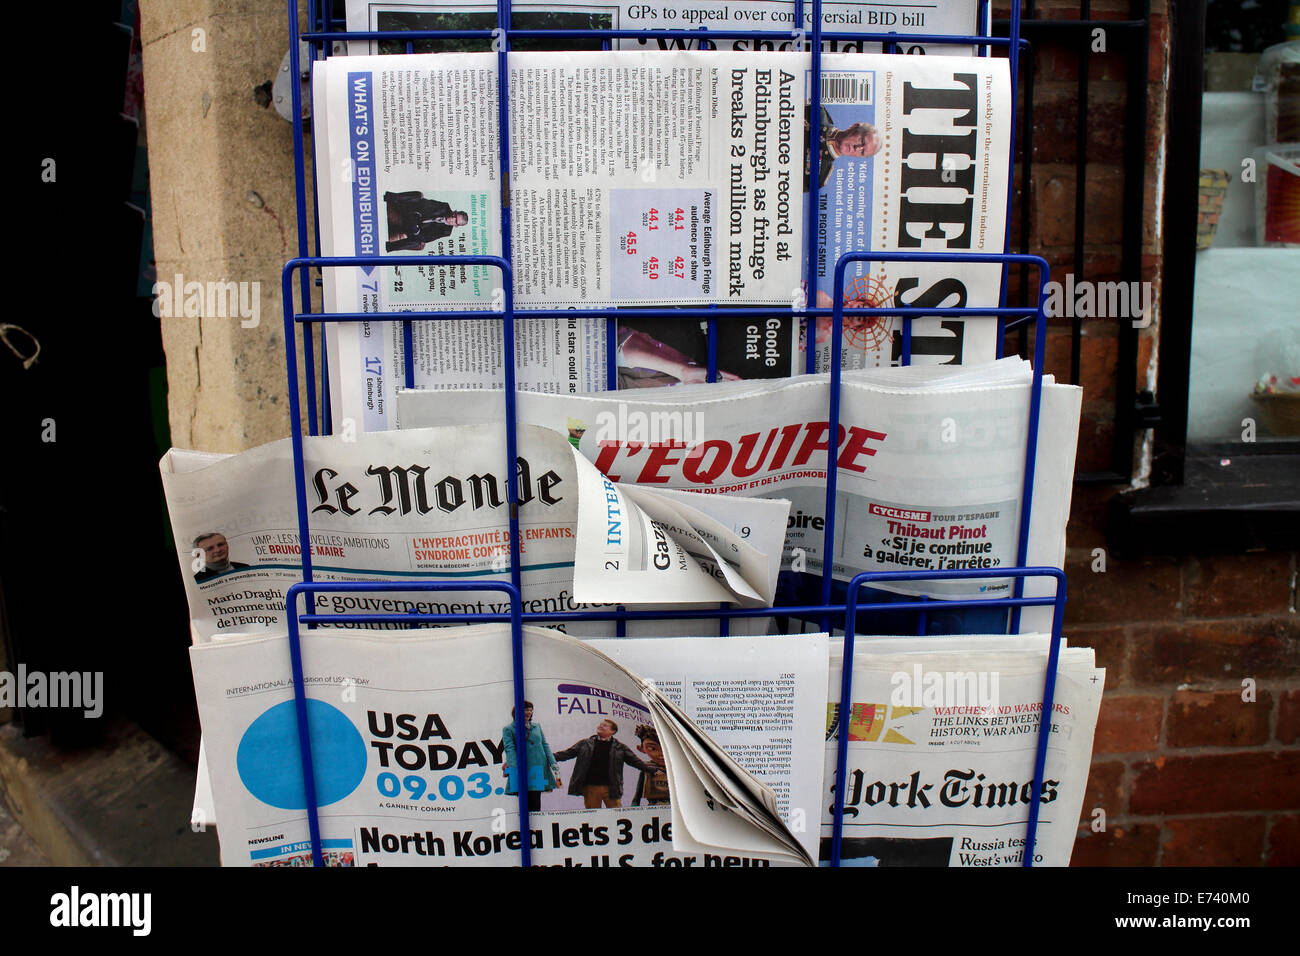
column 652, row 179
column 655, row 180
column 768, row 719
column 416, row 758
column 930, row 462
column 431, row 505
column 942, row 738
column 951, row 17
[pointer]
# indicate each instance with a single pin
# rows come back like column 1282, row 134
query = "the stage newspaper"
column 653, row 180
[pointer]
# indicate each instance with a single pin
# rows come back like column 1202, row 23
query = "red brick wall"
column 1051, row 196
column 1185, row 770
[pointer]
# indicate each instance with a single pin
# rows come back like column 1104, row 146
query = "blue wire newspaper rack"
column 826, row 613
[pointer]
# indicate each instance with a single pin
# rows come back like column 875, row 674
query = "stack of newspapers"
column 709, row 494
column 645, row 181
column 665, row 752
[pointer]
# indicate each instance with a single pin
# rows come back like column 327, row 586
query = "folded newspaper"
column 430, row 504
column 943, row 733
column 416, row 759
column 931, row 462
column 653, row 179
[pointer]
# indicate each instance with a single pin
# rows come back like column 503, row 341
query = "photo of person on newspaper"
column 888, row 852
column 543, row 771
column 216, row 556
column 646, row 362
column 652, row 788
column 858, row 141
column 414, row 221
column 598, row 767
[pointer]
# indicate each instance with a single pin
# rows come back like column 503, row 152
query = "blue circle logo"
column 270, row 766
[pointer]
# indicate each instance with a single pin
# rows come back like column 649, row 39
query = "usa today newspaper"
column 417, row 761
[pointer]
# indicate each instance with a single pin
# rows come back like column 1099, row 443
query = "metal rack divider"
column 829, row 614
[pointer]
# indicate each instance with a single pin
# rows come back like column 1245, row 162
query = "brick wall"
column 1185, row 770
column 1051, row 191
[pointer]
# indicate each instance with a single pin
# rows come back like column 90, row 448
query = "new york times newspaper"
column 417, row 762
column 431, row 505
column 636, row 179
column 930, row 460
column 952, row 17
column 942, row 739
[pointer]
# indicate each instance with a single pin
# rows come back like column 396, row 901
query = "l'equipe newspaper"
column 931, row 462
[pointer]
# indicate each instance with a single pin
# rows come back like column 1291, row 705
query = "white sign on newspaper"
column 947, row 17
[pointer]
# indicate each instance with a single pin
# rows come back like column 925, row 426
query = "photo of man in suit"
column 216, row 555
column 414, row 221
column 859, row 141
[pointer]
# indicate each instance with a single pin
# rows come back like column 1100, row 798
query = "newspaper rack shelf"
column 825, row 614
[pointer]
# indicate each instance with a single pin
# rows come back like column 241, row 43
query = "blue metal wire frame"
column 1005, row 259
column 827, row 613
column 710, row 34
column 310, row 590
column 501, row 37
column 1049, row 683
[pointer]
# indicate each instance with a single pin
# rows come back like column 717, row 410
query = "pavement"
column 124, row 802
column 16, row 847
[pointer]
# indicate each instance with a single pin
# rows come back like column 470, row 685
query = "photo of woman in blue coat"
column 543, row 770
